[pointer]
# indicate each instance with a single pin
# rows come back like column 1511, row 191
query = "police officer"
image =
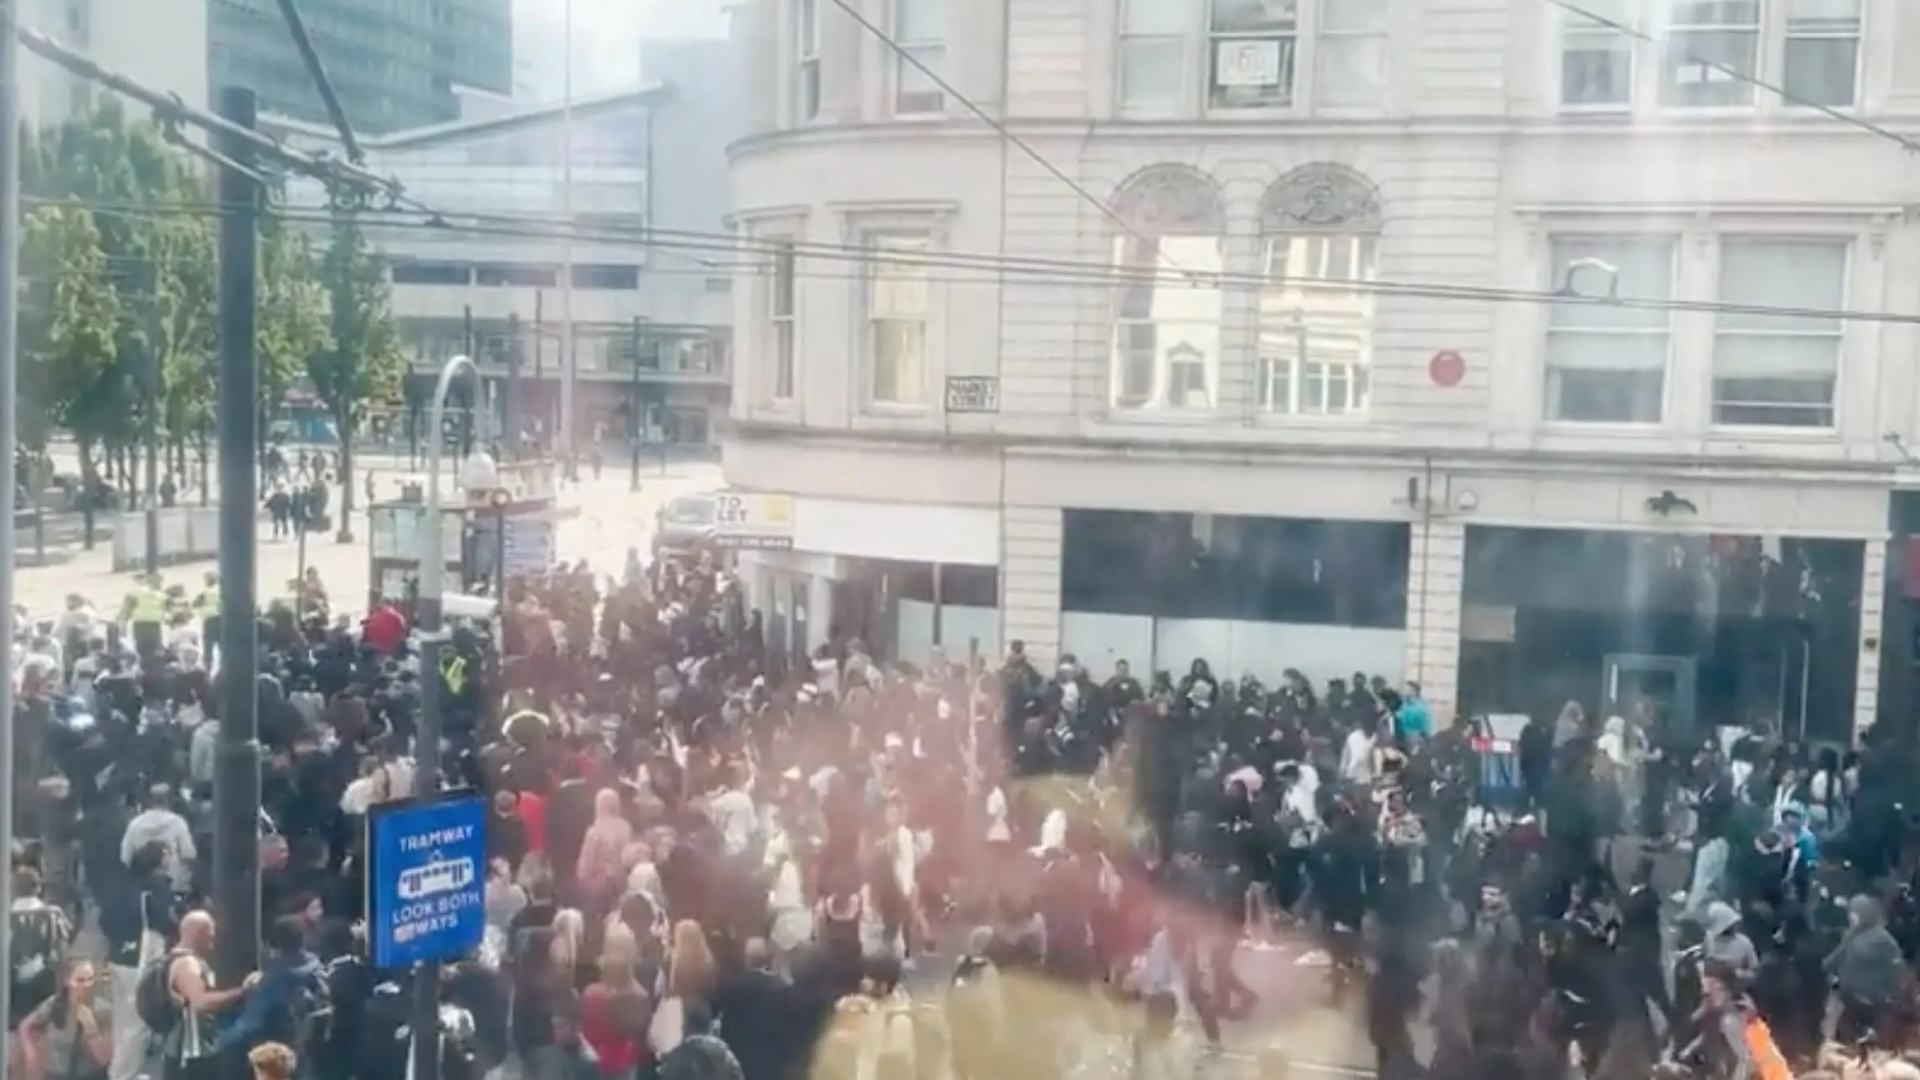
column 146, row 610
column 206, row 611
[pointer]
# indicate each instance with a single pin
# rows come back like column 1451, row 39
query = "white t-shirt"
column 1356, row 757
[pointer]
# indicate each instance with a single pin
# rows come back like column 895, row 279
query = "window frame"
column 1571, row 26
column 1762, row 50
column 1847, row 243
column 1786, row 37
column 1674, row 243
column 875, row 237
column 1364, row 244
column 902, row 68
column 807, row 96
column 783, row 327
column 1182, row 41
column 1316, row 53
column 1157, row 404
column 1290, row 59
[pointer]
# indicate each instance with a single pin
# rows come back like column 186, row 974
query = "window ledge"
column 1266, row 419
column 1606, row 427
column 1782, row 432
column 898, row 410
column 1162, row 417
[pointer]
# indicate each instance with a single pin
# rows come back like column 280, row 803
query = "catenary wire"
column 1905, row 143
column 987, row 118
column 1064, row 273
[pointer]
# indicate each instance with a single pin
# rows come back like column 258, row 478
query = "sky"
column 606, row 35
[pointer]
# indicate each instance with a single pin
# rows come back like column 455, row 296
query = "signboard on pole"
column 528, row 545
column 973, row 394
column 745, row 519
column 426, row 880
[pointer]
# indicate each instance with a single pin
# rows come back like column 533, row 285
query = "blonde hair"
column 692, row 967
column 272, row 1061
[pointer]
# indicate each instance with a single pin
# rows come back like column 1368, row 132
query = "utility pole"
column 151, row 376
column 633, row 405
column 426, row 750
column 539, row 361
column 567, row 365
column 9, row 322
column 236, row 780
column 510, row 405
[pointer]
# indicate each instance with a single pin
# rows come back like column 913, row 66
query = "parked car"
column 684, row 524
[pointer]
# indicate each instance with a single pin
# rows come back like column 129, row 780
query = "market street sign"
column 973, row 394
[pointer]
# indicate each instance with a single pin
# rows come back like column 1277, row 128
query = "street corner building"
column 1307, row 358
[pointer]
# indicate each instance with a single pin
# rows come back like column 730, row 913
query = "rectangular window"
column 1772, row 369
column 431, row 273
column 1823, row 51
column 1251, row 51
column 780, row 314
column 1353, row 52
column 897, row 312
column 1596, row 61
column 919, row 26
column 606, row 277
column 1707, row 42
column 1153, row 40
column 807, row 58
column 1316, row 342
column 1166, row 334
column 521, row 274
column 1608, row 364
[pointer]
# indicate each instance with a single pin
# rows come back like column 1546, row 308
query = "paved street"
column 600, row 520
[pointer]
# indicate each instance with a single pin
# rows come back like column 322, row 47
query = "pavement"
column 599, row 520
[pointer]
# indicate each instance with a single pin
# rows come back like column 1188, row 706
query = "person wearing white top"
column 733, row 814
column 1356, row 757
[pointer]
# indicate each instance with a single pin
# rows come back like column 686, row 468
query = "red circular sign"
column 1447, row 368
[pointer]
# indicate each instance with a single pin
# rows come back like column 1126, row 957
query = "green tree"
column 68, row 333
column 362, row 363
column 158, row 250
column 290, row 321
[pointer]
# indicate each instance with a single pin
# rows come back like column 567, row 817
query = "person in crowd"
column 272, row 1061
column 191, row 1047
column 139, row 917
column 64, row 1037
column 161, row 824
column 1868, row 970
column 706, row 859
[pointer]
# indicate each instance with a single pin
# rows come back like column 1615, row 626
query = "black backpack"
column 153, row 994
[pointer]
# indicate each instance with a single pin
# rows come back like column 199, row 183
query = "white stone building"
column 1230, row 460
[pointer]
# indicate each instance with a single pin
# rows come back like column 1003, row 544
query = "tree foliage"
column 121, row 229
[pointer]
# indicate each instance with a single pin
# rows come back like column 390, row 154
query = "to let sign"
column 973, row 394
column 426, row 880
column 743, row 519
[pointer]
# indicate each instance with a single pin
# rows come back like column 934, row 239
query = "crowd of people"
column 707, row 860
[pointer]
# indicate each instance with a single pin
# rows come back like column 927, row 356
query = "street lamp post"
column 426, row 989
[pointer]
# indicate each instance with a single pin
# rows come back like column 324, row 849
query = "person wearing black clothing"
column 140, row 918
column 751, row 1006
column 506, row 833
column 1122, row 691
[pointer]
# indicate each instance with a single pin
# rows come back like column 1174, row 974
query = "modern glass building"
column 395, row 63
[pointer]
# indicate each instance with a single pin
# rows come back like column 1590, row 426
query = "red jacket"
column 385, row 630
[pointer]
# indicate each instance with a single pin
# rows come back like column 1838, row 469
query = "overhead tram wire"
column 172, row 111
column 997, row 125
column 1050, row 272
column 1861, row 122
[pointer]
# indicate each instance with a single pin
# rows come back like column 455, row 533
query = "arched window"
column 1320, row 230
column 1166, row 326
